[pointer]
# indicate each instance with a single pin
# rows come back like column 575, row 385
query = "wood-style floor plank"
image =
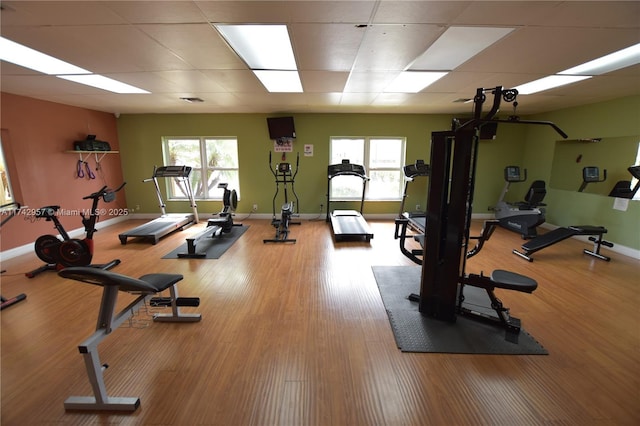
column 297, row 334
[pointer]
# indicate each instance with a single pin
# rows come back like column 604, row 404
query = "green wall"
column 531, row 147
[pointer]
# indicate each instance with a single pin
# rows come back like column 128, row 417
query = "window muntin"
column 219, row 156
column 383, row 158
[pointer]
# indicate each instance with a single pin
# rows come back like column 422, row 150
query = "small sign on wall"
column 283, row 145
column 308, row 150
column 621, row 204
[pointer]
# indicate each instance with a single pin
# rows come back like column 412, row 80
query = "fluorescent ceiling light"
column 102, row 82
column 413, row 81
column 280, row 81
column 18, row 54
column 549, row 83
column 265, row 47
column 456, row 46
column 616, row 60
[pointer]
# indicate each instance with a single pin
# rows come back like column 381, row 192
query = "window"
column 6, row 194
column 213, row 160
column 383, row 159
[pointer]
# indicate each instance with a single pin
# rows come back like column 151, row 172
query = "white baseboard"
column 77, row 233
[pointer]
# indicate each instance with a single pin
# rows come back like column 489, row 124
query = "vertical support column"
column 448, row 204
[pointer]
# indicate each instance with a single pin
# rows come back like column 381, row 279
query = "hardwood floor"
column 298, row 335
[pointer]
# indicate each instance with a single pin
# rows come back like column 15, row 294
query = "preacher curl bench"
column 147, row 286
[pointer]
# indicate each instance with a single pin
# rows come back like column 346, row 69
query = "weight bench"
column 402, row 223
column 561, row 234
column 108, row 320
column 499, row 279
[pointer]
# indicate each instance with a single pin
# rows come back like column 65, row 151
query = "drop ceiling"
column 347, row 53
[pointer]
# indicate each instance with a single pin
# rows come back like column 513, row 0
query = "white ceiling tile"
column 199, row 45
column 394, row 47
column 331, row 47
column 347, row 52
column 323, row 81
column 418, row 12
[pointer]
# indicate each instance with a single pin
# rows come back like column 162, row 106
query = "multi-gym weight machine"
column 449, row 208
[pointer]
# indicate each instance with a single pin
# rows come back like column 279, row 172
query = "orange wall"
column 35, row 136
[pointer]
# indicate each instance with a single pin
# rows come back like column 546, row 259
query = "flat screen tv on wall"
column 281, row 128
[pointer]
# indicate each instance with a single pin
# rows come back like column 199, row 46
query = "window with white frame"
column 383, row 159
column 213, row 160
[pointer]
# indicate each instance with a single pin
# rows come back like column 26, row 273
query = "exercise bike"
column 61, row 253
column 284, row 175
column 591, row 174
column 522, row 217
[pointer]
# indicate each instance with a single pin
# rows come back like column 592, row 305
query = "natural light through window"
column 213, row 160
column 383, row 159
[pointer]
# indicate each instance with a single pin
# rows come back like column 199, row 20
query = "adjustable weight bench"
column 561, row 234
column 147, row 286
column 499, row 279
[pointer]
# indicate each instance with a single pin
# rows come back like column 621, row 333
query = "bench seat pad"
column 150, row 283
column 512, row 281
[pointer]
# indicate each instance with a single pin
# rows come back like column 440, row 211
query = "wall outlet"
column 417, row 207
column 255, row 208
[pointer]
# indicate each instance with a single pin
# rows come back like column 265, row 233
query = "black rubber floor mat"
column 416, row 333
column 212, row 248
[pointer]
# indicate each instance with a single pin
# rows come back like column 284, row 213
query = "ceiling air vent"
column 192, row 100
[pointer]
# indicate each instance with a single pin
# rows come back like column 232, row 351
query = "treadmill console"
column 417, row 169
column 346, row 168
column 172, row 171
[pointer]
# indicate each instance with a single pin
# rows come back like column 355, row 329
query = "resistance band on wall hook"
column 82, row 167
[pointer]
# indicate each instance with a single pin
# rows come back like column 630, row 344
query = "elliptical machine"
column 524, row 216
column 284, row 175
column 59, row 254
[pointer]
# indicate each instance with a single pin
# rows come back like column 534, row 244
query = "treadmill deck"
column 349, row 224
column 159, row 227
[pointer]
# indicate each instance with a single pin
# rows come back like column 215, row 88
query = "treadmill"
column 417, row 221
column 166, row 223
column 347, row 224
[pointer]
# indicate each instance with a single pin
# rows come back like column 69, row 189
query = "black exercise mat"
column 213, row 248
column 416, row 333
